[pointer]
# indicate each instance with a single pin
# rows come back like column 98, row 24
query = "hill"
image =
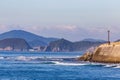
column 14, row 44
column 63, row 45
column 93, row 40
column 32, row 39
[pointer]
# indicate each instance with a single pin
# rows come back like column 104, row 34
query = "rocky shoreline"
column 105, row 53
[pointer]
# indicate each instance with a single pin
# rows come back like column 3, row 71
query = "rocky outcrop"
column 104, row 53
column 86, row 57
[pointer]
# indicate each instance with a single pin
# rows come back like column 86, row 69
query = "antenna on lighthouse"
column 108, row 37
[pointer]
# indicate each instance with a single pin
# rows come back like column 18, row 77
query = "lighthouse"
column 108, row 37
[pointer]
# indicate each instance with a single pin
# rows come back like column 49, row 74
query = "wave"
column 41, row 60
column 55, row 61
column 22, row 58
column 47, row 62
column 69, row 63
column 117, row 66
column 112, row 65
column 1, row 58
column 26, row 58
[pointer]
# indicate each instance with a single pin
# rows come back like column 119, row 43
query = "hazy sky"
column 70, row 19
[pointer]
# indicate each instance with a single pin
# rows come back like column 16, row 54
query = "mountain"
column 14, row 44
column 32, row 39
column 49, row 44
column 117, row 40
column 63, row 45
column 60, row 45
column 85, row 45
column 94, row 40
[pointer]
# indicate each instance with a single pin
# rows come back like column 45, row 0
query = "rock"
column 86, row 57
column 104, row 53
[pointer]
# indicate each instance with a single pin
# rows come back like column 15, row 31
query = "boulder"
column 105, row 53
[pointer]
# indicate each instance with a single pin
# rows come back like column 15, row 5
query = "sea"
column 53, row 66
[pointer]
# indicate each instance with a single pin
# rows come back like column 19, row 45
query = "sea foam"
column 69, row 63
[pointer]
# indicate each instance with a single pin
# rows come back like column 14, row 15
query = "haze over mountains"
column 27, row 40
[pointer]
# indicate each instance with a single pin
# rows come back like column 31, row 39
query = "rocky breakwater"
column 105, row 53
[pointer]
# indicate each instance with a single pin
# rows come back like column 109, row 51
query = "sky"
column 70, row 19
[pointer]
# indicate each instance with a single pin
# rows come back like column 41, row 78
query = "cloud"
column 70, row 32
column 3, row 27
column 66, row 27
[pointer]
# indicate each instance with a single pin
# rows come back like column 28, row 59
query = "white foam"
column 22, row 58
column 68, row 64
column 117, row 66
column 107, row 66
column 77, row 56
column 33, row 58
column 112, row 65
column 1, row 57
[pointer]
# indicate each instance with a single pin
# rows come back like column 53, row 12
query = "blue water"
column 53, row 66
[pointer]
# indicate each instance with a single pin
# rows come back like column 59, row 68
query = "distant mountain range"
column 32, row 39
column 23, row 40
column 67, row 46
column 93, row 40
column 117, row 40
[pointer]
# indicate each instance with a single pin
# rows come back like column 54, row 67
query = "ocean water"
column 53, row 66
